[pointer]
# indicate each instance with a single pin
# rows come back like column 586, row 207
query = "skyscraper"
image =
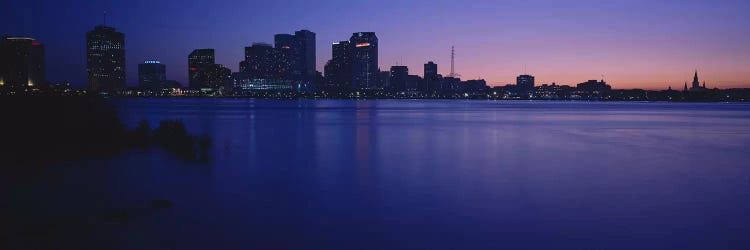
column 286, row 56
column 338, row 70
column 262, row 62
column 296, row 55
column 105, row 57
column 21, row 62
column 364, row 60
column 152, row 74
column 306, row 51
column 399, row 77
column 525, row 84
column 199, row 62
column 431, row 76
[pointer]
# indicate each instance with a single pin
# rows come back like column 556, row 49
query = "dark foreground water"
column 287, row 174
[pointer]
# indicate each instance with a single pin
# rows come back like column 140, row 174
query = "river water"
column 415, row 174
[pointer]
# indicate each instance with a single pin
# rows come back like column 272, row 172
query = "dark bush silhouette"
column 173, row 136
column 39, row 130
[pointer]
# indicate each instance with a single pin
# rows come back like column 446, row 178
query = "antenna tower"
column 453, row 63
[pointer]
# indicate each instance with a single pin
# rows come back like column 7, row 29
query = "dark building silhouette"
column 475, row 86
column 152, row 75
column 306, row 54
column 592, row 89
column 21, row 62
column 296, row 56
column 431, row 77
column 262, row 62
column 364, row 60
column 525, row 85
column 399, row 78
column 215, row 76
column 553, row 91
column 286, row 57
column 696, row 86
column 338, row 70
column 414, row 83
column 105, row 57
column 384, row 80
column 450, row 85
column 199, row 63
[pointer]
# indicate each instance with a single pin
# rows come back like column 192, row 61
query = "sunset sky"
column 631, row 43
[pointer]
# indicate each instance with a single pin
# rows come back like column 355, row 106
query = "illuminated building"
column 21, row 62
column 199, row 62
column 296, row 55
column 152, row 74
column 338, row 70
column 285, row 57
column 268, row 68
column 364, row 60
column 261, row 62
column 215, row 76
column 105, row 57
column 525, row 85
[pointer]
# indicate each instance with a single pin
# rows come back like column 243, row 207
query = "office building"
column 105, row 58
column 338, row 70
column 399, row 78
column 296, row 55
column 525, row 85
column 261, row 62
column 152, row 74
column 430, row 77
column 200, row 62
column 21, row 62
column 364, row 60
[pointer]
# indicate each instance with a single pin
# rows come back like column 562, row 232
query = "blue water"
column 412, row 174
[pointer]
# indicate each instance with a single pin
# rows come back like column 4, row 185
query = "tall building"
column 338, row 70
column 199, row 62
column 105, row 57
column 306, row 54
column 364, row 60
column 262, row 62
column 399, row 77
column 431, row 76
column 296, row 55
column 152, row 74
column 525, row 84
column 384, row 80
column 285, row 57
column 21, row 62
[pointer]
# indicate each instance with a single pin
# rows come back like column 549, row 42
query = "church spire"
column 696, row 83
column 695, row 78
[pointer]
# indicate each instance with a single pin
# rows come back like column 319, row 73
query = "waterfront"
column 412, row 174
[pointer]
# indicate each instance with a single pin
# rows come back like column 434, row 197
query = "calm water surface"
column 407, row 174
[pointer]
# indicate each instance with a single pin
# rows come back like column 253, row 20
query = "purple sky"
column 633, row 43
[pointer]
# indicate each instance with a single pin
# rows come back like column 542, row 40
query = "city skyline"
column 645, row 59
